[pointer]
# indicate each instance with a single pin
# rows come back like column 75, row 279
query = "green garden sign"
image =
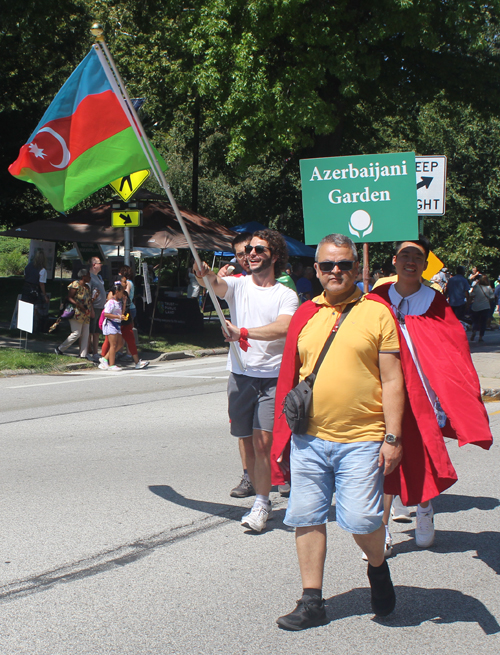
column 366, row 197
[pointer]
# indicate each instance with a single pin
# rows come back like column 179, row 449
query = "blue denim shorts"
column 319, row 467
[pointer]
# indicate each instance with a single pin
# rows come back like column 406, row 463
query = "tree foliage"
column 272, row 81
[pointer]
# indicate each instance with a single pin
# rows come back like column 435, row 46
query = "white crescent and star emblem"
column 39, row 153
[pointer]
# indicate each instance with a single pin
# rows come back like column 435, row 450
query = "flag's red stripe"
column 96, row 118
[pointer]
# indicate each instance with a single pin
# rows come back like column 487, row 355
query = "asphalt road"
column 119, row 535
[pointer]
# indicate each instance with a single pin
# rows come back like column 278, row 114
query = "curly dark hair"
column 277, row 244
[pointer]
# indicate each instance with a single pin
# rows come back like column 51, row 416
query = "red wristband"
column 243, row 340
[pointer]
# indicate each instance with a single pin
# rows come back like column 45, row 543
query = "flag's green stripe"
column 116, row 157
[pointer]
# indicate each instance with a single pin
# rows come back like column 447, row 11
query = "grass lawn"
column 13, row 359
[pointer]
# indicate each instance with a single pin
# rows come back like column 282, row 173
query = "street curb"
column 164, row 357
column 490, row 394
column 189, row 354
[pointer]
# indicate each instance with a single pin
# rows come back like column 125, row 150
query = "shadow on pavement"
column 450, row 541
column 416, row 605
column 449, row 503
column 216, row 509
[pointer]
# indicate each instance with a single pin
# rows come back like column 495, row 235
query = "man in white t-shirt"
column 261, row 310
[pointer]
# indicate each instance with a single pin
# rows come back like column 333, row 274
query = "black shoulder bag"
column 297, row 401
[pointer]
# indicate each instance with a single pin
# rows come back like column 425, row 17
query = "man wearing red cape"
column 444, row 396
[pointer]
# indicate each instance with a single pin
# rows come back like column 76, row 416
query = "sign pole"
column 107, row 62
column 126, row 244
column 366, row 266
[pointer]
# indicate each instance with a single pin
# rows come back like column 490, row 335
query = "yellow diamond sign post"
column 126, row 186
column 126, row 218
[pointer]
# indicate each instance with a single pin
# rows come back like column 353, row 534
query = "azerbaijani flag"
column 86, row 139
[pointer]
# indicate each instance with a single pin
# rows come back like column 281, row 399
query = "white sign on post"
column 25, row 314
column 431, row 185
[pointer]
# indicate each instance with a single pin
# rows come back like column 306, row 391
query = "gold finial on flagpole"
column 97, row 31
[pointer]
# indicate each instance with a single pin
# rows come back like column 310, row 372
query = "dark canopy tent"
column 159, row 229
column 295, row 248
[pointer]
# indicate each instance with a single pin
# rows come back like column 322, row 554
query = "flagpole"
column 158, row 172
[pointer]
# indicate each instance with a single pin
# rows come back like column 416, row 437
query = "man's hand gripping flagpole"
column 119, row 87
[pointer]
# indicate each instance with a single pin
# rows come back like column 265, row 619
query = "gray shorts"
column 94, row 322
column 251, row 404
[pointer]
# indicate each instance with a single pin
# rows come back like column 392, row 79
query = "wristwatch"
column 391, row 438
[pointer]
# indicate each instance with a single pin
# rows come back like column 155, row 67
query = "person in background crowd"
column 98, row 295
column 33, row 292
column 127, row 332
column 111, row 328
column 457, row 292
column 193, row 288
column 297, row 271
column 286, row 280
column 481, row 294
column 79, row 297
column 442, row 278
column 304, row 284
column 497, row 300
column 474, row 276
column 35, row 278
column 261, row 310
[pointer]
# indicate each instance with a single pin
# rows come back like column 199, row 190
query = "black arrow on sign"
column 424, row 181
column 127, row 220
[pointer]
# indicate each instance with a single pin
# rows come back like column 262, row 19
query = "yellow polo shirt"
column 347, row 395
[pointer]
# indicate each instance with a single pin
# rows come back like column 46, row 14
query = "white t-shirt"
column 42, row 276
column 416, row 305
column 253, row 306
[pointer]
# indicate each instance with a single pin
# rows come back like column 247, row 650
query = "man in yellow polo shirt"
column 353, row 436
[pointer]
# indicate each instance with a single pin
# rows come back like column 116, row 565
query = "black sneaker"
column 243, row 490
column 309, row 613
column 383, row 595
column 57, row 351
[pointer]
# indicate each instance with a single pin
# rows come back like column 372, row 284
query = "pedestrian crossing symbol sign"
column 126, row 186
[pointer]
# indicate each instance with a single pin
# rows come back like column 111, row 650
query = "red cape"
column 426, row 469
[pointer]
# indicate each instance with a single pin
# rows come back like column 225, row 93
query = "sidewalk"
column 49, row 343
column 486, row 356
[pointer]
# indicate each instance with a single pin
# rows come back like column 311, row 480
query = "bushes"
column 13, row 263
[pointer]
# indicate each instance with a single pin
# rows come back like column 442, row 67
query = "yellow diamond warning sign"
column 126, row 218
column 126, row 186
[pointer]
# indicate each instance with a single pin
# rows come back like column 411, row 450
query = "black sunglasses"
column 259, row 250
column 344, row 265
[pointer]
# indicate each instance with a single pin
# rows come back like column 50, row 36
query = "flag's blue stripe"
column 88, row 78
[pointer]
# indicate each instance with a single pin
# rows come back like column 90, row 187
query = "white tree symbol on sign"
column 360, row 221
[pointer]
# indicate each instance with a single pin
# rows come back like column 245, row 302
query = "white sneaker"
column 114, row 368
column 424, row 530
column 142, row 364
column 387, row 546
column 269, row 512
column 103, row 363
column 256, row 519
column 399, row 512
column 388, row 543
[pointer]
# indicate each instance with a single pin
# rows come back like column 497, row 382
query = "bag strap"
column 331, row 337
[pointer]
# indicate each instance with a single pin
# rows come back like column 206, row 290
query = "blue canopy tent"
column 295, row 248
